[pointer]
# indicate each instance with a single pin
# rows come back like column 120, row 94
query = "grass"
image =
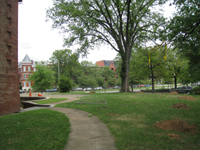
column 130, row 118
column 51, row 100
column 34, row 130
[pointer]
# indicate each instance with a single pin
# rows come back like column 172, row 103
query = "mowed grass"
column 34, row 130
column 131, row 117
column 51, row 100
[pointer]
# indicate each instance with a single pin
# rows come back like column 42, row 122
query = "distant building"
column 25, row 68
column 109, row 63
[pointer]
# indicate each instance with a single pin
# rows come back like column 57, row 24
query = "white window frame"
column 24, row 84
column 24, row 68
column 29, row 68
column 24, row 76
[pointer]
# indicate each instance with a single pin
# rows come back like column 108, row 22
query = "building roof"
column 108, row 62
column 26, row 59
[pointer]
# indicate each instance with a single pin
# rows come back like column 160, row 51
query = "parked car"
column 141, row 85
column 183, row 89
column 21, row 91
column 98, row 88
column 148, row 85
column 78, row 89
column 134, row 86
column 50, row 90
column 116, row 87
column 87, row 89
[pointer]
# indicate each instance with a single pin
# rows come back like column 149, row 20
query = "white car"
column 78, row 89
column 98, row 88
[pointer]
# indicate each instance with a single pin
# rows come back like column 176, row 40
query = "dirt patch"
column 173, row 136
column 187, row 97
column 92, row 92
column 181, row 106
column 141, row 92
column 173, row 92
column 177, row 125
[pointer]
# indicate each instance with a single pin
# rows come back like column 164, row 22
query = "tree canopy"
column 43, row 78
column 120, row 24
column 183, row 31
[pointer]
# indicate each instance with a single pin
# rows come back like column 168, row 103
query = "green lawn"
column 131, row 118
column 51, row 100
column 34, row 130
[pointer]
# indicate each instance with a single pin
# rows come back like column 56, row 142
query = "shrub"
column 65, row 84
column 196, row 90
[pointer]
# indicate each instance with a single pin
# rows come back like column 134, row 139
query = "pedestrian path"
column 87, row 133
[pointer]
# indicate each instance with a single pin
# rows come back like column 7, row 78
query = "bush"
column 65, row 84
column 196, row 90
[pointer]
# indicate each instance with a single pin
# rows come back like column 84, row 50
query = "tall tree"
column 183, row 31
column 43, row 78
column 122, row 24
column 65, row 63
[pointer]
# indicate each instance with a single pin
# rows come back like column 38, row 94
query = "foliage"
column 87, row 81
column 120, row 24
column 68, row 64
column 64, row 84
column 183, row 31
column 196, row 90
column 43, row 78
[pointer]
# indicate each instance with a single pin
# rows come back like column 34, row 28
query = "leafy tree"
column 183, row 31
column 65, row 84
column 155, row 69
column 120, row 24
column 176, row 66
column 68, row 64
column 43, row 78
column 87, row 81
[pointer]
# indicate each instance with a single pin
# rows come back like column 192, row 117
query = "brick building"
column 109, row 63
column 9, row 80
column 25, row 68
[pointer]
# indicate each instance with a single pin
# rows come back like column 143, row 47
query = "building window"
column 29, row 68
column 29, row 84
column 19, row 70
column 34, row 69
column 24, row 76
column 24, row 84
column 24, row 68
column 29, row 75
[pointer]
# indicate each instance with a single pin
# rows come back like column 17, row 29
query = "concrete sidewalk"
column 87, row 133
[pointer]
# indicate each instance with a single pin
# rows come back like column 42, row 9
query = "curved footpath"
column 87, row 133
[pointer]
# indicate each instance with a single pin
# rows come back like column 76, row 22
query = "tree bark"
column 175, row 84
column 125, row 74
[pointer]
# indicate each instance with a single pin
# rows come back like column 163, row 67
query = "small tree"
column 43, row 78
column 65, row 84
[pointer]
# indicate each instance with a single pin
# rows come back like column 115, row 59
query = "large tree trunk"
column 175, row 82
column 125, row 73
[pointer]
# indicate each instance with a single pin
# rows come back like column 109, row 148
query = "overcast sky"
column 39, row 40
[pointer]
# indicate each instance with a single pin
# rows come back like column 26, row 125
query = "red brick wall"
column 100, row 63
column 9, row 79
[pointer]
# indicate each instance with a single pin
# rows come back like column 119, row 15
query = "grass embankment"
column 131, row 118
column 34, row 130
column 51, row 100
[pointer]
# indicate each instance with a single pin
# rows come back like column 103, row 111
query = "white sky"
column 39, row 40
